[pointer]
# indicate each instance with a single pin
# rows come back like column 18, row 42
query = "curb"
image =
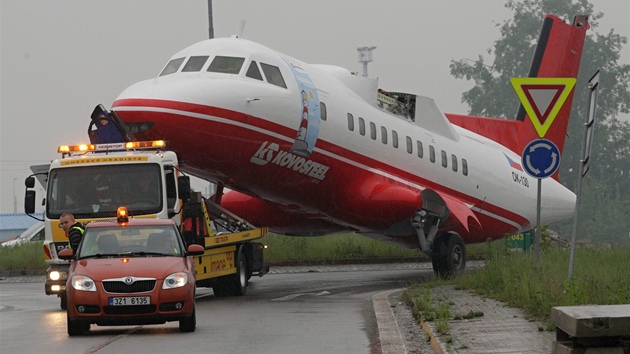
column 388, row 330
column 435, row 343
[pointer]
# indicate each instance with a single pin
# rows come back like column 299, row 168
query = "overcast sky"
column 60, row 58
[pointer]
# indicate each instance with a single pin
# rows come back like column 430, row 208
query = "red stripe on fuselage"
column 207, row 148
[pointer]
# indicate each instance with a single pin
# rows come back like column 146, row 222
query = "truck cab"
column 92, row 181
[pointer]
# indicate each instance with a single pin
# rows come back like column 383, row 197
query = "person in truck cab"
column 74, row 230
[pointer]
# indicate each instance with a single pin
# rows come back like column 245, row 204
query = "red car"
column 131, row 273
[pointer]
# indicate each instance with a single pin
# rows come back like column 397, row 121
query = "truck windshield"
column 97, row 191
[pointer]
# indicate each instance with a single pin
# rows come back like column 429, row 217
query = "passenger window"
column 444, row 159
column 409, row 145
column 195, row 63
column 172, row 66
column 464, row 167
column 420, row 150
column 361, row 126
column 323, row 113
column 372, row 130
column 253, row 71
column 454, row 162
column 431, row 153
column 384, row 135
column 350, row 122
column 394, row 139
column 226, row 65
column 273, row 75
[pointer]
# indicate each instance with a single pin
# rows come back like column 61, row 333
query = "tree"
column 492, row 95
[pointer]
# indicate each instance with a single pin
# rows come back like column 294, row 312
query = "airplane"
column 310, row 150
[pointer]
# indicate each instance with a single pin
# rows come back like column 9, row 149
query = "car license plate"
column 129, row 300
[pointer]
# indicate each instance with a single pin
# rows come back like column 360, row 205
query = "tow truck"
column 92, row 180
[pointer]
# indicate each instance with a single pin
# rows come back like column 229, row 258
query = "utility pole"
column 210, row 22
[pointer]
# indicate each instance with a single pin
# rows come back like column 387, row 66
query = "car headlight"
column 81, row 282
column 175, row 280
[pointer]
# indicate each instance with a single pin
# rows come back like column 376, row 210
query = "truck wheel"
column 239, row 280
column 63, row 301
column 188, row 324
column 219, row 289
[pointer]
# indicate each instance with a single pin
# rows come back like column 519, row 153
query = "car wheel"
column 188, row 324
column 77, row 327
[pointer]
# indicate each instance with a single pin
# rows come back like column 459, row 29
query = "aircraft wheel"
column 449, row 255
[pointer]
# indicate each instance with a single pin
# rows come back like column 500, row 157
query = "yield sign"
column 542, row 98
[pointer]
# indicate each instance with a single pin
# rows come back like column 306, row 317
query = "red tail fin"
column 558, row 54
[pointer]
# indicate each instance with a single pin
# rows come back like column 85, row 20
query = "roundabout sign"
column 541, row 158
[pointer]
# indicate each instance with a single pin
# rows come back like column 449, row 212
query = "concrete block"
column 593, row 320
column 567, row 348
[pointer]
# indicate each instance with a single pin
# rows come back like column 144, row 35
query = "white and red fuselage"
column 326, row 153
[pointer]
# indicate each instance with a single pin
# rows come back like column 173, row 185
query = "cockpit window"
column 253, row 71
column 172, row 66
column 226, row 65
column 195, row 63
column 273, row 75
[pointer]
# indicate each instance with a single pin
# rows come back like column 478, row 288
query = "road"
column 291, row 310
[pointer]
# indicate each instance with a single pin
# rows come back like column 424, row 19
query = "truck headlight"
column 57, row 275
column 175, row 280
column 81, row 282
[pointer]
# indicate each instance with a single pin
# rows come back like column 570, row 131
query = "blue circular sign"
column 541, row 158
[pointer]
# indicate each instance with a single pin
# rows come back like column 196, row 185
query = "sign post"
column 587, row 145
column 542, row 98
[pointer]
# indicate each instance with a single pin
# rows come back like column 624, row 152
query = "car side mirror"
column 184, row 187
column 66, row 254
column 195, row 250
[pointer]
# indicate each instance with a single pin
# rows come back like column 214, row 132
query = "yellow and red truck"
column 92, row 181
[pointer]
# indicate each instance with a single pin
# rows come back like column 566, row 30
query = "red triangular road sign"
column 542, row 98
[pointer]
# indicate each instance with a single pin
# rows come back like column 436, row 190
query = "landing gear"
column 449, row 255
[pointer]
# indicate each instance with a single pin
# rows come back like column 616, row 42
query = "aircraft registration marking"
column 520, row 179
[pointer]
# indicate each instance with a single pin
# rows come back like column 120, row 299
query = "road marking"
column 293, row 296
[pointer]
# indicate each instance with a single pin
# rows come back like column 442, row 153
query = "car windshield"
column 163, row 240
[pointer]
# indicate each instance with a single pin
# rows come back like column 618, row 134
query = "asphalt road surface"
column 291, row 310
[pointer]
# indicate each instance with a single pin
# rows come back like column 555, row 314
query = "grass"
column 332, row 248
column 600, row 276
column 28, row 256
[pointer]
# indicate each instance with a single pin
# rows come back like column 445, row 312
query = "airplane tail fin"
column 557, row 55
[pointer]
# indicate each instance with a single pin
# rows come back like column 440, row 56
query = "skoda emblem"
column 128, row 280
